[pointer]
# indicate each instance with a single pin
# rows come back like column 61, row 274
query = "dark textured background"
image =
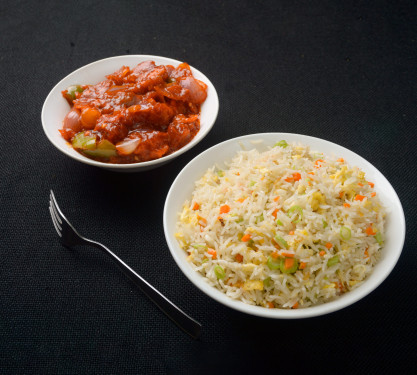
column 344, row 71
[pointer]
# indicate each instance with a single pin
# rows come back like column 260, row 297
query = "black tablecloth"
column 344, row 71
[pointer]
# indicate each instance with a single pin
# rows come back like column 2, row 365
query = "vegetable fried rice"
column 284, row 228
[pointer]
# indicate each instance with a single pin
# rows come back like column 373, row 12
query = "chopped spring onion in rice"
column 317, row 155
column 281, row 242
column 199, row 246
column 332, row 261
column 282, row 144
column 273, row 263
column 379, row 239
column 299, row 211
column 220, row 272
column 267, row 282
column 289, row 265
column 345, row 233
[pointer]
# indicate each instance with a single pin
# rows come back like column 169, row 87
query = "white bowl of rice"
column 283, row 225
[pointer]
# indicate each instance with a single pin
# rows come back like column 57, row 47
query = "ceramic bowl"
column 183, row 186
column 56, row 107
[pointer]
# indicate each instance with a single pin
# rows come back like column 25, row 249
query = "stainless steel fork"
column 70, row 237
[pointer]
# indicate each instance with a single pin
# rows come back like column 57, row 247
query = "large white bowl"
column 183, row 186
column 56, row 107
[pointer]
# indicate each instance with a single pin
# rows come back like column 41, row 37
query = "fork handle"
column 179, row 317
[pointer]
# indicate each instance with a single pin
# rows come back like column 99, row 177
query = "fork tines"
column 54, row 210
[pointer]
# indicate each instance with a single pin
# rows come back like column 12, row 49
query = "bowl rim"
column 197, row 138
column 317, row 310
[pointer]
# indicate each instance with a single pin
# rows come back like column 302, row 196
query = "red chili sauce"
column 135, row 115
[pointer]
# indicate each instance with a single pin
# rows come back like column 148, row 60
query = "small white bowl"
column 56, row 107
column 183, row 186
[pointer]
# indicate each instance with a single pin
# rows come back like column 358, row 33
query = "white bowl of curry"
column 130, row 113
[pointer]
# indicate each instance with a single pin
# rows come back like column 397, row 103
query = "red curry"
column 135, row 115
